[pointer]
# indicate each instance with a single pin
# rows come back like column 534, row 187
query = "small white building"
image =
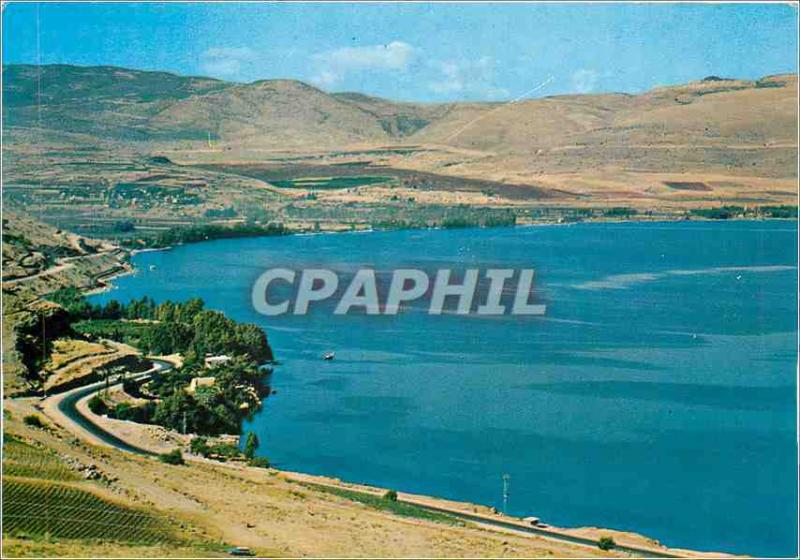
column 214, row 361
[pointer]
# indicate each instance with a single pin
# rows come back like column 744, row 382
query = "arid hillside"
column 708, row 143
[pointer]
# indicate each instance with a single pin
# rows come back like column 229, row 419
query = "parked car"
column 240, row 551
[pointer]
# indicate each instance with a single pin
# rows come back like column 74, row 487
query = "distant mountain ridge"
column 538, row 135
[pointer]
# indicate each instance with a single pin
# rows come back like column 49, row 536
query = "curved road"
column 66, row 403
column 635, row 551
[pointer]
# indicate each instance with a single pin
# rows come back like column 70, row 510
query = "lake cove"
column 657, row 393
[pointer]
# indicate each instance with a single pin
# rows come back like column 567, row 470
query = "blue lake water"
column 656, row 395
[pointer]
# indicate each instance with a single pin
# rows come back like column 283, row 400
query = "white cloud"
column 467, row 78
column 225, row 61
column 333, row 66
column 584, row 80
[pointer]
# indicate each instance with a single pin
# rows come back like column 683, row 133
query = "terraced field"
column 39, row 508
column 43, row 497
column 24, row 460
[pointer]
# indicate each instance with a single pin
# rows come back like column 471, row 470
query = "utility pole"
column 506, row 479
column 184, row 422
column 44, row 329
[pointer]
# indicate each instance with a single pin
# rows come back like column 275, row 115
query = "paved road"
column 66, row 404
column 549, row 533
column 62, row 264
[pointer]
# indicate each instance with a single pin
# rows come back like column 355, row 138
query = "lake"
column 656, row 395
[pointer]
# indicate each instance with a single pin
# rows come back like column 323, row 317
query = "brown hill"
column 737, row 137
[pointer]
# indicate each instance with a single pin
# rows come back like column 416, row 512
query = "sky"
column 417, row 51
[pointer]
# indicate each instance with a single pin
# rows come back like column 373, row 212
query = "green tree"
column 260, row 462
column 606, row 543
column 390, row 496
column 98, row 405
column 199, row 446
column 33, row 421
column 174, row 457
column 174, row 410
column 251, row 445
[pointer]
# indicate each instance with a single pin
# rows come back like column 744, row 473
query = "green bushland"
column 169, row 327
column 385, row 503
column 218, row 451
column 620, row 212
column 34, row 348
column 142, row 414
column 179, row 235
column 220, row 213
column 720, row 213
column 728, row 212
column 239, row 385
column 174, row 457
column 785, row 212
column 444, row 217
column 37, row 508
column 193, row 331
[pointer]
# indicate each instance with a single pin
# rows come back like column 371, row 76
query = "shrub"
column 390, row 496
column 131, row 387
column 260, row 462
column 224, row 450
column 606, row 543
column 141, row 414
column 33, row 421
column 98, row 406
column 251, row 445
column 199, row 446
column 174, row 457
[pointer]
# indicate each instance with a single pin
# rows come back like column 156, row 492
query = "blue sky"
column 424, row 52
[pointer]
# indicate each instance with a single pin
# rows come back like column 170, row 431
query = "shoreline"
column 598, row 220
column 605, row 221
column 155, row 440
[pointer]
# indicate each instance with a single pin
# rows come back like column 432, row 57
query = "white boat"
column 328, row 356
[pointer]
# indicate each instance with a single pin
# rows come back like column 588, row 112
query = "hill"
column 735, row 140
column 128, row 104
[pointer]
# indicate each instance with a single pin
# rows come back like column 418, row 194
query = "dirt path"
column 62, row 264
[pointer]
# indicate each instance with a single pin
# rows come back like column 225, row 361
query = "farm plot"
column 22, row 459
column 331, row 182
column 39, row 508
